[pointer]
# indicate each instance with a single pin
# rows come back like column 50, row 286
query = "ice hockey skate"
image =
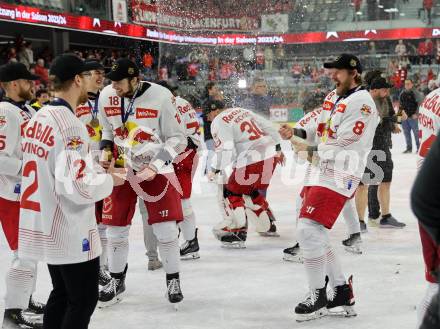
column 272, row 232
column 174, row 292
column 353, row 243
column 293, row 254
column 341, row 302
column 234, row 240
column 16, row 319
column 113, row 292
column 190, row 249
column 313, row 307
column 104, row 277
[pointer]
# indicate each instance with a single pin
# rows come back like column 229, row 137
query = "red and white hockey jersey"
column 429, row 123
column 60, row 187
column 89, row 116
column 345, row 129
column 153, row 123
column 189, row 120
column 242, row 137
column 13, row 121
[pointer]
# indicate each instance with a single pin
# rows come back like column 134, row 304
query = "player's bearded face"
column 343, row 80
column 123, row 88
column 26, row 90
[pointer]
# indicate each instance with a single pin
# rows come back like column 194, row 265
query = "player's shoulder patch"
column 366, row 110
column 3, row 122
column 74, row 143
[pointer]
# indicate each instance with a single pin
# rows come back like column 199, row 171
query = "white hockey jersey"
column 429, row 123
column 241, row 138
column 13, row 121
column 189, row 120
column 88, row 114
column 60, row 187
column 154, row 110
column 345, row 128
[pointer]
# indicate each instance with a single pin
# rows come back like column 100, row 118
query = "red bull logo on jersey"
column 2, row 122
column 91, row 131
column 142, row 136
column 142, row 113
column 74, row 143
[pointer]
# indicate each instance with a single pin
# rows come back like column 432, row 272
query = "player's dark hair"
column 59, row 85
column 41, row 92
column 370, row 76
column 208, row 87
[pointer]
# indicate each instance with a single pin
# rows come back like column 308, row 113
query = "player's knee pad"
column 187, row 207
column 166, row 232
column 118, row 232
column 312, row 238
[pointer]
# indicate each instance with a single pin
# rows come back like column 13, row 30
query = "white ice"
column 253, row 288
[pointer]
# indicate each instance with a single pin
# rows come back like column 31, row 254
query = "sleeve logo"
column 2, row 121
column 74, row 143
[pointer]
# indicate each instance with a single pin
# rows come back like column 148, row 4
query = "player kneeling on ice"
column 346, row 126
column 250, row 144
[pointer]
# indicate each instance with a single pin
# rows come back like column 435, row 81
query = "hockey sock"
column 333, row 269
column 351, row 218
column 188, row 226
column 20, row 283
column 172, row 276
column 102, row 229
column 120, row 275
column 117, row 248
column 170, row 255
column 312, row 239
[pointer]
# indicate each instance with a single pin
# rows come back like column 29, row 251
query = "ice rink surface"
column 253, row 288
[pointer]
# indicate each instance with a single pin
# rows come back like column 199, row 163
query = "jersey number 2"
column 30, row 167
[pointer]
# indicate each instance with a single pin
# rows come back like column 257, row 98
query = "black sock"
column 386, row 216
column 172, row 276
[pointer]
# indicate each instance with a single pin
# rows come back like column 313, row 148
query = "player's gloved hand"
column 147, row 174
column 280, row 158
column 119, row 175
column 285, row 131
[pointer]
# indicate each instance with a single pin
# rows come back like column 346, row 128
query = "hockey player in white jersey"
column 141, row 127
column 346, row 126
column 18, row 84
column 252, row 145
column 88, row 114
column 306, row 128
column 429, row 125
column 184, row 167
column 61, row 184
